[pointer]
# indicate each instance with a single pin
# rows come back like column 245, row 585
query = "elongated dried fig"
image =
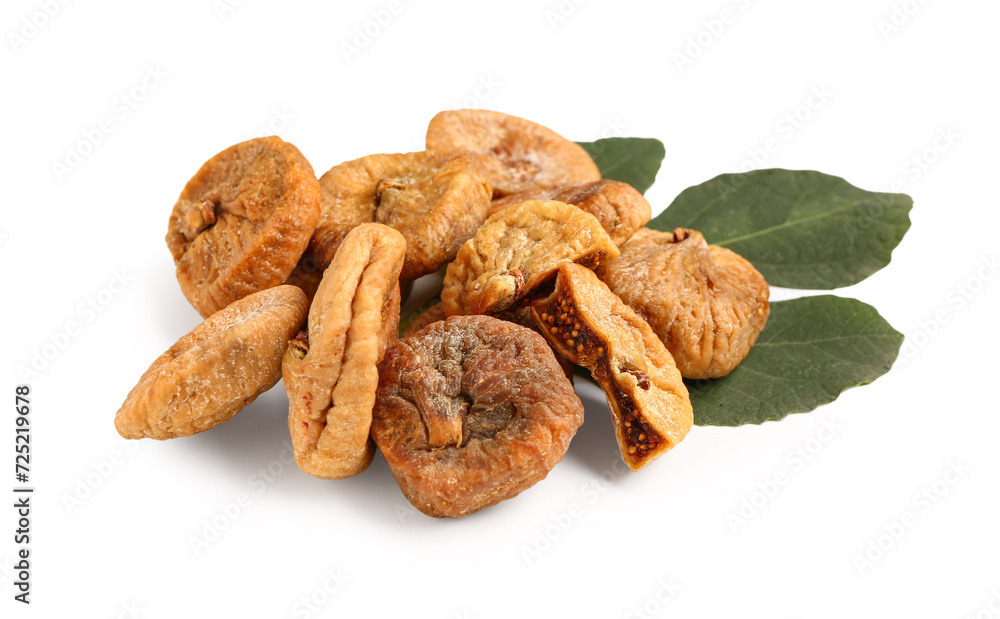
column 330, row 373
column 242, row 222
column 706, row 303
column 471, row 411
column 592, row 327
column 519, row 155
column 436, row 201
column 618, row 206
column 211, row 373
column 517, row 249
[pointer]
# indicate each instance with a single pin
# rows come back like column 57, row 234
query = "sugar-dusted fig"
column 517, row 249
column 518, row 154
column 592, row 327
column 618, row 206
column 331, row 372
column 211, row 373
column 436, row 201
column 432, row 314
column 706, row 303
column 242, row 222
column 471, row 411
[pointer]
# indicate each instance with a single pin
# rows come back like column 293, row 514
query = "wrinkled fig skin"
column 706, row 303
column 436, row 201
column 520, row 314
column 472, row 411
column 242, row 222
column 519, row 155
column 516, row 250
column 331, row 373
column 618, row 206
column 591, row 327
column 211, row 373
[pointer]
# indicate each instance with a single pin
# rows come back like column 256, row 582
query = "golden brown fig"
column 436, row 201
column 211, row 373
column 517, row 249
column 618, row 206
column 242, row 222
column 706, row 303
column 519, row 155
column 471, row 411
column 590, row 326
column 330, row 373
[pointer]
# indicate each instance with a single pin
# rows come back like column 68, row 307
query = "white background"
column 607, row 68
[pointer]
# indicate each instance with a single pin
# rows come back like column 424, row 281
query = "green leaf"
column 800, row 229
column 811, row 350
column 426, row 305
column 630, row 160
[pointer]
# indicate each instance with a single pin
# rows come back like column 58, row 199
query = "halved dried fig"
column 706, row 303
column 211, row 373
column 618, row 206
column 518, row 154
column 517, row 249
column 330, row 372
column 435, row 200
column 242, row 222
column 471, row 411
column 591, row 327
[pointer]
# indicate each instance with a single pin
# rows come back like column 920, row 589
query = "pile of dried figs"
column 547, row 265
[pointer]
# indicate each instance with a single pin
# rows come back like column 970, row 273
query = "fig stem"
column 500, row 293
column 385, row 184
column 200, row 216
column 299, row 347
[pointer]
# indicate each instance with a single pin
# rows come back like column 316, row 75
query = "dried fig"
column 519, row 155
column 472, row 411
column 591, row 327
column 517, row 249
column 242, row 222
column 618, row 206
column 211, row 373
column 435, row 200
column 330, row 372
column 706, row 303
column 520, row 314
